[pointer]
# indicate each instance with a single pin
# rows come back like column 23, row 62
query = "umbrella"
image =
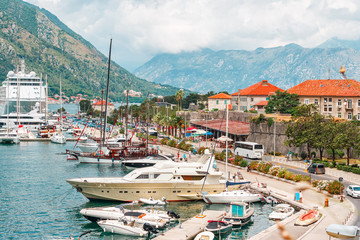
column 224, row 139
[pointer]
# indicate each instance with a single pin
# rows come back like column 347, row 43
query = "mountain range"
column 229, row 70
column 52, row 49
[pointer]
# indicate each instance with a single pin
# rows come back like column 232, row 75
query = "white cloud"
column 144, row 28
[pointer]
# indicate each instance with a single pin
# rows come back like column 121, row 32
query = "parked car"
column 316, row 168
column 353, row 190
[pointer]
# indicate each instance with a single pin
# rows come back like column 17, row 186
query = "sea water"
column 37, row 203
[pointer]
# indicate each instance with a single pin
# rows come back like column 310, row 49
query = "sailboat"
column 235, row 195
column 58, row 137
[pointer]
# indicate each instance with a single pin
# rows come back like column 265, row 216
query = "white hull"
column 152, row 202
column 98, row 160
column 281, row 212
column 205, row 236
column 114, row 226
column 88, row 147
column 10, row 140
column 60, row 139
column 231, row 196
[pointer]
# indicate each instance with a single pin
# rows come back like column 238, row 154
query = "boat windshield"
column 356, row 188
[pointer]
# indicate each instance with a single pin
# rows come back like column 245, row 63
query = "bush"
column 164, row 141
column 201, row 150
column 270, row 122
column 237, row 160
column 354, row 166
column 266, row 167
column 298, row 178
column 274, row 170
column 220, row 156
column 303, row 155
column 171, row 143
column 244, row 163
column 355, row 170
column 313, row 154
column 289, row 175
column 253, row 165
column 335, row 187
column 333, row 164
column 306, row 178
column 340, row 153
column 282, row 172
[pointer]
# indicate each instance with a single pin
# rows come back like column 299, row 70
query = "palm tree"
column 179, row 96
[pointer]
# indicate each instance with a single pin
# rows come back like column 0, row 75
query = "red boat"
column 308, row 218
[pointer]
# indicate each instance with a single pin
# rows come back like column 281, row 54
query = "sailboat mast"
column 126, row 115
column 60, row 104
column 46, row 98
column 147, row 124
column 101, row 118
column 227, row 133
column 107, row 91
column 18, row 97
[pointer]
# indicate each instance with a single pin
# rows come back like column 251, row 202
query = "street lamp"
column 206, row 129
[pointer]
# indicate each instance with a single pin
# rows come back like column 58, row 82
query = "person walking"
column 189, row 154
column 300, row 196
column 184, row 157
column 178, row 156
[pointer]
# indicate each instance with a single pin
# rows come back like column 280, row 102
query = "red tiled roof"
column 329, row 87
column 262, row 103
column 102, row 103
column 262, row 88
column 235, row 127
column 220, row 96
column 237, row 93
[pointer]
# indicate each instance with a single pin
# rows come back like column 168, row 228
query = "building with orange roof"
column 219, row 101
column 100, row 105
column 334, row 97
column 246, row 99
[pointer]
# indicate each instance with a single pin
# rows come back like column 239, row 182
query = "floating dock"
column 191, row 227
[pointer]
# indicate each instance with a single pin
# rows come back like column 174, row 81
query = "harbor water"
column 37, row 202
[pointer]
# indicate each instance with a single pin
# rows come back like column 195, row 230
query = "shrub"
column 253, row 165
column 289, row 175
column 354, row 166
column 282, row 172
column 266, row 167
column 303, row 155
column 244, row 163
column 340, row 153
column 220, row 156
column 201, row 150
column 237, row 160
column 277, row 153
column 306, row 178
column 270, row 122
column 274, row 170
column 333, row 164
column 315, row 183
column 335, row 187
column 313, row 154
column 164, row 141
column 355, row 170
column 298, row 178
column 171, row 143
column 326, row 164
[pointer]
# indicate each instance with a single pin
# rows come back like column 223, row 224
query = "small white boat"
column 205, row 236
column 281, row 212
column 83, row 138
column 88, row 147
column 342, row 231
column 58, row 137
column 151, row 201
column 126, row 228
column 239, row 214
column 218, row 227
column 232, row 196
column 271, row 200
column 9, row 137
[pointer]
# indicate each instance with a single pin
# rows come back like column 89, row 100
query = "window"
column 330, row 99
column 339, row 115
column 267, row 99
column 251, row 99
column 243, row 99
column 349, row 104
column 316, row 101
column 143, row 176
column 358, row 117
column 330, row 107
column 225, row 102
column 325, row 108
column 325, row 100
column 306, row 101
column 349, row 116
column 339, row 102
column 217, row 101
column 359, row 103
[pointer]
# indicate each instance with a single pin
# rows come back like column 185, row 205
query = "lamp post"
column 274, row 135
column 206, row 129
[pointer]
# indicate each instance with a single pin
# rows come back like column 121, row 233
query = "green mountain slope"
column 52, row 49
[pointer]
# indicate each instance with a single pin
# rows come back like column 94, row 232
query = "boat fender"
column 142, row 215
column 79, row 189
column 101, row 152
column 200, row 216
column 172, row 214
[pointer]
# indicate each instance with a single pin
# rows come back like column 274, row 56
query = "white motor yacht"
column 232, row 196
column 176, row 181
column 9, row 137
column 58, row 137
column 145, row 162
column 88, row 147
column 281, row 211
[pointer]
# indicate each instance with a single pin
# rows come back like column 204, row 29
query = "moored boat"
column 206, row 235
column 232, row 196
column 308, row 218
column 152, row 201
column 218, row 227
column 281, row 212
column 239, row 214
column 129, row 228
column 58, row 137
column 342, row 231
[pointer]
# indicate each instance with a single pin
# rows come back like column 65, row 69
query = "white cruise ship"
column 22, row 100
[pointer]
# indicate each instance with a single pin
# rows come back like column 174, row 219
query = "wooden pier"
column 191, row 227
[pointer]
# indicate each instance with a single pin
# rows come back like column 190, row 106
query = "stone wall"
column 200, row 116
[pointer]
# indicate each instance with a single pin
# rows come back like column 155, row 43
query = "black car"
column 316, row 168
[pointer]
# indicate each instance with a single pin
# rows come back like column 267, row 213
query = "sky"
column 141, row 29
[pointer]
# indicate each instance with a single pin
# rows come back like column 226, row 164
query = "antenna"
column 329, row 74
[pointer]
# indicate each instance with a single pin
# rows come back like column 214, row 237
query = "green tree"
column 282, row 102
column 348, row 137
column 85, row 106
column 179, row 96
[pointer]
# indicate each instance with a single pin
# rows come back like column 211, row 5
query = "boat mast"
column 227, row 133
column 107, row 91
column 147, row 124
column 101, row 118
column 60, row 104
column 126, row 114
column 46, row 98
column 18, row 97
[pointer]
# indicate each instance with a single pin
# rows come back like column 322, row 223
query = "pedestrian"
column 189, row 154
column 184, row 157
column 300, row 196
column 178, row 156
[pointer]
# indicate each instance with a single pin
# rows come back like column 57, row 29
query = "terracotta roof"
column 237, row 93
column 329, row 87
column 262, row 88
column 102, row 103
column 235, row 127
column 220, row 96
column 262, row 103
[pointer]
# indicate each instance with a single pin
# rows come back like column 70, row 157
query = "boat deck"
column 191, row 227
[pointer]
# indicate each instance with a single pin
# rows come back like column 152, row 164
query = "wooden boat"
column 205, row 236
column 281, row 212
column 308, row 218
column 218, row 227
column 342, row 231
column 126, row 228
column 239, row 214
column 151, row 201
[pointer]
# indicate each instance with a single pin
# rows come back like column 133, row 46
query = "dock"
column 191, row 227
column 44, row 139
